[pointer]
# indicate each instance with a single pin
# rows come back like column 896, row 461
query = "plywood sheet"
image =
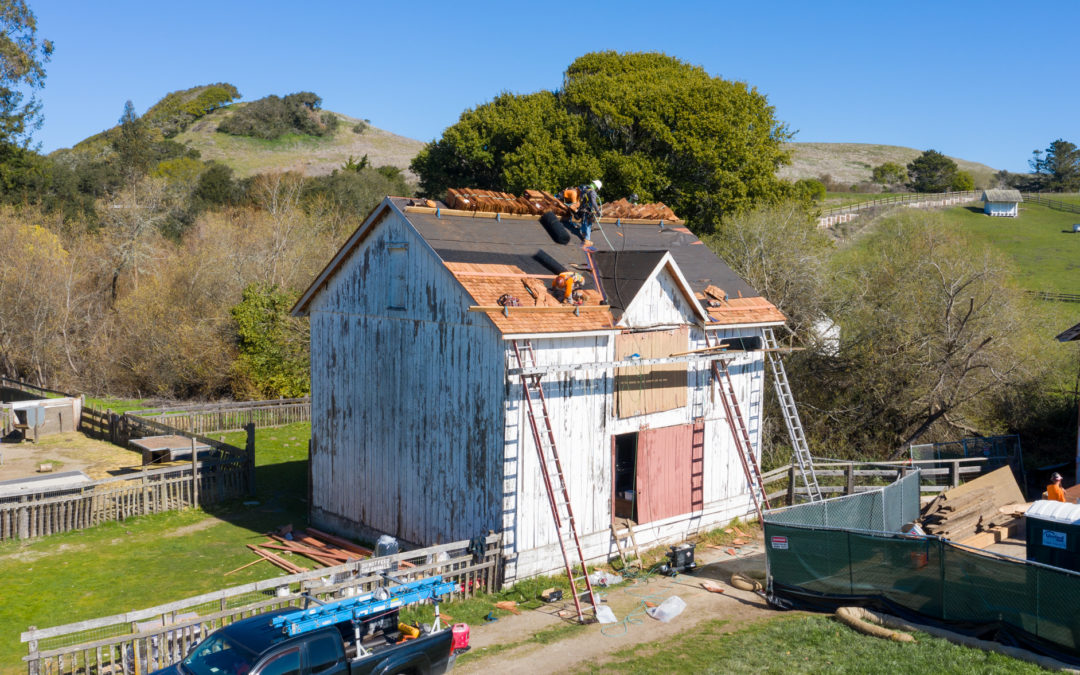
column 650, row 389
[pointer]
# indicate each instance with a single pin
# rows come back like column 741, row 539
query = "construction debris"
column 974, row 508
column 537, row 202
column 320, row 547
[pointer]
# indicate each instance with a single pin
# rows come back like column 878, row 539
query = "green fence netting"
column 884, row 509
column 860, row 557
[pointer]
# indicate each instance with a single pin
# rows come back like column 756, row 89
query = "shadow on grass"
column 280, row 498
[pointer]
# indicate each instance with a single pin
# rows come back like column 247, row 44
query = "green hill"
column 192, row 116
column 311, row 155
column 852, row 162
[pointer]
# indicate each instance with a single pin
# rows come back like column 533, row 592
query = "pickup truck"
column 254, row 646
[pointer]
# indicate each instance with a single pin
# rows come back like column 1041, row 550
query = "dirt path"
column 596, row 643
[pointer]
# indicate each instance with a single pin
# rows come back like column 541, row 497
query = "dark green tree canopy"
column 644, row 123
column 1058, row 167
column 22, row 70
column 932, row 172
column 888, row 173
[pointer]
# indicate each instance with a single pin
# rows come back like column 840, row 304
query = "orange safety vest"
column 1055, row 493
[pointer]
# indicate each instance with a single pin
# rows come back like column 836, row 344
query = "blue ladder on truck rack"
column 366, row 605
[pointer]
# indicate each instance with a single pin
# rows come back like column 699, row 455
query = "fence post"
column 849, row 471
column 954, row 473
column 24, row 519
column 32, row 648
column 791, row 485
column 249, row 448
column 194, row 475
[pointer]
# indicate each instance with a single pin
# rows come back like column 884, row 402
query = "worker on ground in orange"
column 564, row 285
column 1054, row 491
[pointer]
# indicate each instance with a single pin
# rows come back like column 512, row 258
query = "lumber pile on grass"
column 324, row 549
column 975, row 508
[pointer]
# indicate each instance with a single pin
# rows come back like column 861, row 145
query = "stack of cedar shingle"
column 536, row 202
column 624, row 209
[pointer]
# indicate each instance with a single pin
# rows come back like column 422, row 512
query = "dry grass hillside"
column 310, row 155
column 852, row 162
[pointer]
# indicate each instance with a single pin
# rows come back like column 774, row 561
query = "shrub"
column 359, row 127
column 962, row 182
column 216, row 186
column 811, row 188
column 179, row 109
column 273, row 117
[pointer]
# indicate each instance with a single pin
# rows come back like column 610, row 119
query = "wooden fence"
column 845, row 478
column 1055, row 204
column 38, row 514
column 912, row 199
column 228, row 474
column 215, row 417
column 144, row 640
column 40, row 392
column 1054, row 297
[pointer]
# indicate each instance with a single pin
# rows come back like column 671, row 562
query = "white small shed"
column 1002, row 202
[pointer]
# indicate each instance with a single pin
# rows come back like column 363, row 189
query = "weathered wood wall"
column 584, row 422
column 407, row 388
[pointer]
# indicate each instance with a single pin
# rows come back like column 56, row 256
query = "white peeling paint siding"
column 584, row 423
column 1007, row 209
column 660, row 302
column 406, row 403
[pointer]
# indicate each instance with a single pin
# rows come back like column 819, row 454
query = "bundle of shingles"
column 533, row 202
column 975, row 508
column 536, row 202
column 621, row 208
column 324, row 549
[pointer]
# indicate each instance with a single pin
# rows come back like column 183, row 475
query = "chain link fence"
column 849, row 551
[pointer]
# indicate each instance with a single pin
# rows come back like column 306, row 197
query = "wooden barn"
column 1002, row 202
column 419, row 428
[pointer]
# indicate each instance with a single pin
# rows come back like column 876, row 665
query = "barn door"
column 664, row 472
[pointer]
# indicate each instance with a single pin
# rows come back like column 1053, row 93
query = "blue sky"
column 986, row 81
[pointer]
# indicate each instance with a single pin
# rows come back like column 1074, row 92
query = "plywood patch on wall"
column 650, row 389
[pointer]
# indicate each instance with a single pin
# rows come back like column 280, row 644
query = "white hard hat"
column 597, row 184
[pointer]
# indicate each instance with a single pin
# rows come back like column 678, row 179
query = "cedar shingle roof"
column 1002, row 196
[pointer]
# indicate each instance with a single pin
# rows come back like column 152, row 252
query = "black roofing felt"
column 623, row 273
column 515, row 241
column 1070, row 334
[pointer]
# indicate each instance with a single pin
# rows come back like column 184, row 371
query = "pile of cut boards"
column 978, row 513
column 324, row 549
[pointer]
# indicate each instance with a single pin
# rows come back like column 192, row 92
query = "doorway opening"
column 626, row 447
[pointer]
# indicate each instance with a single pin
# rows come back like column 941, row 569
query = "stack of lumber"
column 974, row 507
column 324, row 549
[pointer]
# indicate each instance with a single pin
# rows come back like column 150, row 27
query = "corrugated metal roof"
column 1002, row 196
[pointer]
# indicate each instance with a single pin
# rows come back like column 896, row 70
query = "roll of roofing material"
column 549, row 262
column 555, row 228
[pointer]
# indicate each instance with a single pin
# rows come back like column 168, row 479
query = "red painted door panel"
column 664, row 468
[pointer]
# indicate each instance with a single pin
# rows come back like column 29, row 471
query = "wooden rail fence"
column 912, row 199
column 215, row 417
column 845, row 478
column 144, row 640
column 38, row 514
column 1054, row 297
column 1055, row 204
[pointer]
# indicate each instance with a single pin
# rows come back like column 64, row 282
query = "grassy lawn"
column 803, row 644
column 1040, row 242
column 154, row 559
column 117, row 405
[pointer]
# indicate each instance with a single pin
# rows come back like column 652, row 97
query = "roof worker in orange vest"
column 1054, row 491
column 564, row 285
column 585, row 202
